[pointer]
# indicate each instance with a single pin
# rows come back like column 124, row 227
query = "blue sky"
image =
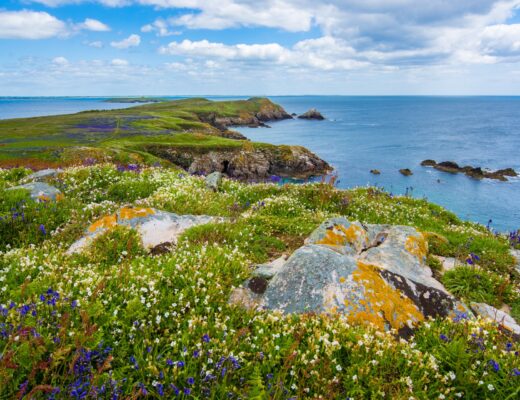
column 251, row 47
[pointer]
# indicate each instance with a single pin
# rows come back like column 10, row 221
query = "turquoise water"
column 386, row 133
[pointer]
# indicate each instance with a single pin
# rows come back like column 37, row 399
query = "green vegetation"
column 117, row 322
column 120, row 135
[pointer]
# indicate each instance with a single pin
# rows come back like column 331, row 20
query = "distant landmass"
column 134, row 100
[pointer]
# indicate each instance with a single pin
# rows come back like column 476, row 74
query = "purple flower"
column 495, row 365
column 180, row 364
column 190, row 381
column 41, row 228
column 444, row 337
column 205, row 338
column 187, row 391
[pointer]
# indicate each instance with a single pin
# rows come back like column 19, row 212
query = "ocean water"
column 390, row 133
column 385, row 133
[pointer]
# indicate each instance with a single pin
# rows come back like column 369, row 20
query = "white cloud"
column 61, row 61
column 131, row 41
column 325, row 53
column 97, row 44
column 118, row 62
column 160, row 27
column 26, row 24
column 93, row 25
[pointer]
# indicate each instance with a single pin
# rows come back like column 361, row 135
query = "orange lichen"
column 130, row 213
column 106, row 222
column 60, row 197
column 342, row 279
column 382, row 303
column 341, row 236
column 417, row 246
column 44, row 198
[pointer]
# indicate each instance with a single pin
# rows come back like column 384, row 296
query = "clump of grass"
column 475, row 284
column 116, row 245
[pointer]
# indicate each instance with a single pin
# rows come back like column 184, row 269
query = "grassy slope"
column 135, row 323
column 28, row 140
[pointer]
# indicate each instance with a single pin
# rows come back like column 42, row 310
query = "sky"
column 255, row 47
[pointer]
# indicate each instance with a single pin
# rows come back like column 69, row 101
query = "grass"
column 116, row 322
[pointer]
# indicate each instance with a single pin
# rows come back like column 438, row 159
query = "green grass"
column 118, row 318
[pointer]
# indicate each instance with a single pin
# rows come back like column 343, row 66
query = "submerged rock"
column 406, row 171
column 213, row 181
column 155, row 227
column 500, row 317
column 312, row 114
column 40, row 191
column 473, row 172
column 369, row 274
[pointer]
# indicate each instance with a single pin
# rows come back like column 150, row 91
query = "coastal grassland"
column 61, row 139
column 116, row 322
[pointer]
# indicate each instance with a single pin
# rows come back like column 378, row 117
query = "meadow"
column 117, row 322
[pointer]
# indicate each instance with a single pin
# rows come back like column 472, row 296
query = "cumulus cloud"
column 118, row 62
column 60, row 61
column 26, row 24
column 160, row 27
column 93, row 25
column 131, row 41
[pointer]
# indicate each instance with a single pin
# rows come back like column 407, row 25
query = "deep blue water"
column 386, row 133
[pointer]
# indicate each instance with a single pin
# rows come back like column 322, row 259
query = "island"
column 131, row 100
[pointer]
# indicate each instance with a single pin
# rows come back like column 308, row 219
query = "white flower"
column 491, row 387
column 338, row 368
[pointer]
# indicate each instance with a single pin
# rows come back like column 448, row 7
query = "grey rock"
column 40, row 191
column 312, row 114
column 213, row 181
column 155, row 227
column 500, row 317
column 43, row 174
column 269, row 270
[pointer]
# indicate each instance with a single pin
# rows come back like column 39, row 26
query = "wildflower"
column 444, row 338
column 180, row 364
column 205, row 338
column 41, row 228
column 190, row 381
column 494, row 364
column 490, row 387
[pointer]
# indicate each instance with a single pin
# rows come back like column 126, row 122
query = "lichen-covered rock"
column 369, row 274
column 500, row 317
column 43, row 175
column 267, row 271
column 155, row 227
column 340, row 235
column 213, row 181
column 40, row 191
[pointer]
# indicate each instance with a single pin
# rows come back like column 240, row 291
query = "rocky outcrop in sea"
column 473, row 172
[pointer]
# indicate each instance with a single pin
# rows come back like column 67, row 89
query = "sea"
column 385, row 133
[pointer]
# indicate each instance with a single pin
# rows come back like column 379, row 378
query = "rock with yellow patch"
column 40, row 191
column 370, row 275
column 340, row 235
column 154, row 226
column 402, row 251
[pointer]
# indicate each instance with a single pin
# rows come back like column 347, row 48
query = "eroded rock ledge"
column 247, row 162
column 473, row 172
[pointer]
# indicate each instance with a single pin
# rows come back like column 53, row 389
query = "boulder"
column 267, row 271
column 499, row 317
column 43, row 175
column 406, row 171
column 213, row 181
column 40, row 191
column 312, row 114
column 375, row 172
column 155, row 227
column 368, row 274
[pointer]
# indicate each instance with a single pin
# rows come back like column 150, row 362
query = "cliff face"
column 248, row 162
